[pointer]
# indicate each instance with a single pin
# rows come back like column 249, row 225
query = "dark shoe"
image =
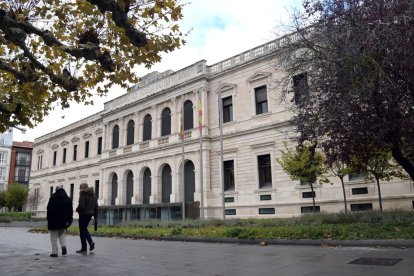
column 82, row 251
column 64, row 250
column 53, row 255
column 92, row 246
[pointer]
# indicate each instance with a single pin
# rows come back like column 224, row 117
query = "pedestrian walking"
column 59, row 218
column 87, row 207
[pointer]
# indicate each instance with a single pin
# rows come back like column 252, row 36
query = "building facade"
column 20, row 162
column 134, row 156
column 6, row 141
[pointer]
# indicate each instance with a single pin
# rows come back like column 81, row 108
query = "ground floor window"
column 361, row 207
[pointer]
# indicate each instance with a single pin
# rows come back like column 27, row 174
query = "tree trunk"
column 313, row 199
column 402, row 160
column 343, row 190
column 379, row 193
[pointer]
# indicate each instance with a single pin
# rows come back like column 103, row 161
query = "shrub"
column 17, row 215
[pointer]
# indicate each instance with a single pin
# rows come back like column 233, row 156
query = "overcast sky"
column 220, row 29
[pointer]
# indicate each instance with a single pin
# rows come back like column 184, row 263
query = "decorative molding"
column 258, row 76
column 229, row 151
column 60, row 180
column 99, row 130
column 71, row 178
column 51, row 181
column 83, row 176
column 263, row 145
column 227, row 86
column 86, row 135
column 75, row 139
column 95, row 174
column 40, row 151
column 64, row 143
column 55, row 146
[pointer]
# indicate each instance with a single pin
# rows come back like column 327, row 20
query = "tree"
column 380, row 166
column 2, row 199
column 358, row 56
column 16, row 195
column 305, row 164
column 340, row 170
column 56, row 51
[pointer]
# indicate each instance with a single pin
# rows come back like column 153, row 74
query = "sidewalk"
column 23, row 253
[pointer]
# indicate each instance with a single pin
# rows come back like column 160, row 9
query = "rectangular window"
column 228, row 109
column 264, row 167
column 97, row 188
column 360, row 191
column 265, row 197
column 261, row 99
column 23, row 159
column 3, row 157
column 361, row 207
column 21, row 174
column 39, row 162
column 228, row 167
column 300, row 88
column 308, row 194
column 75, row 152
column 51, row 191
column 86, row 149
column 64, row 156
column 2, row 173
column 266, row 211
column 229, row 199
column 309, row 209
column 230, row 212
column 54, row 158
column 99, row 145
column 72, row 187
column 36, row 196
column 357, row 176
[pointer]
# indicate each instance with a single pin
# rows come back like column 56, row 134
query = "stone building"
column 6, row 141
column 131, row 152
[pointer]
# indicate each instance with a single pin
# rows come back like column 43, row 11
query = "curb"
column 263, row 242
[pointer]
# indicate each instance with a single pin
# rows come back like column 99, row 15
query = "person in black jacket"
column 59, row 217
column 87, row 207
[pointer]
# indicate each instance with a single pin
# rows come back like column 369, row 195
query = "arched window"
column 146, row 186
column 114, row 193
column 166, row 184
column 115, row 137
column 166, row 122
column 188, row 115
column 130, row 187
column 130, row 132
column 147, row 128
column 189, row 181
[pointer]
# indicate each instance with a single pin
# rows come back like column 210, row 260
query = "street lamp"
column 22, row 129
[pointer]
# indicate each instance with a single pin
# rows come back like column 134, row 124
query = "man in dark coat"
column 59, row 218
column 88, row 207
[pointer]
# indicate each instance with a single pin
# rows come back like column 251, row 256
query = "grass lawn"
column 353, row 226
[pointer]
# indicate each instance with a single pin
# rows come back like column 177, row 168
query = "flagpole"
column 220, row 108
column 182, row 157
column 200, row 127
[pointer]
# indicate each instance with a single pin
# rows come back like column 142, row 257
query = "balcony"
column 21, row 180
column 23, row 163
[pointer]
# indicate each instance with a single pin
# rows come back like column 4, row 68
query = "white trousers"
column 54, row 236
